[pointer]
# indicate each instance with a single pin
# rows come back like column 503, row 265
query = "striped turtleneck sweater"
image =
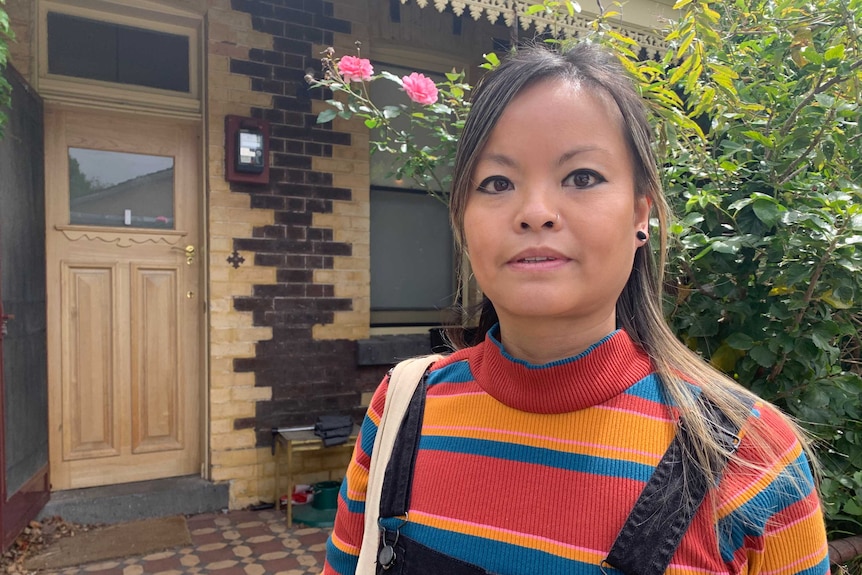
column 526, row 469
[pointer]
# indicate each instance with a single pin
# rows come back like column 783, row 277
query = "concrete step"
column 132, row 501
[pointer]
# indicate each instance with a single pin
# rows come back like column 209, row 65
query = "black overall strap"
column 663, row 512
column 398, row 479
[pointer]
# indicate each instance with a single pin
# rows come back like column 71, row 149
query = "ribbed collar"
column 603, row 371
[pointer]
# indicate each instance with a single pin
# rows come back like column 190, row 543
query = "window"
column 118, row 189
column 110, row 52
column 119, row 53
column 412, row 261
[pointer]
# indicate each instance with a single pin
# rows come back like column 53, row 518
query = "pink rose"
column 420, row 88
column 355, row 69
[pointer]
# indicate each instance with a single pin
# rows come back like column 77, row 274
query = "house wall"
column 288, row 262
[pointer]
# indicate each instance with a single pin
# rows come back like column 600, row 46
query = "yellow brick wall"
column 233, row 455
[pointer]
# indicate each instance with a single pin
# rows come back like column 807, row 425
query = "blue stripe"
column 649, row 388
column 458, row 372
column 496, row 556
column 342, row 562
column 539, row 456
column 792, row 485
column 367, row 433
column 819, row 569
column 352, row 506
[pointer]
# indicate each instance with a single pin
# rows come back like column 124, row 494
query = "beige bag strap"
column 402, row 384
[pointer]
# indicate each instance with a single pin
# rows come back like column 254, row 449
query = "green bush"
column 5, row 88
column 767, row 250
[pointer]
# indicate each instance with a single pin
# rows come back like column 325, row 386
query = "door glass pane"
column 119, row 189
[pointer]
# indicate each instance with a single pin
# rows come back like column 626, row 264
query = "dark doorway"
column 23, row 358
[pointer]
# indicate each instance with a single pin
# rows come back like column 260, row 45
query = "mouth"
column 542, row 258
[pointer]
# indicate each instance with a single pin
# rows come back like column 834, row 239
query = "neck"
column 541, row 341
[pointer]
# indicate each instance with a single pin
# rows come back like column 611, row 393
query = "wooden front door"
column 124, row 296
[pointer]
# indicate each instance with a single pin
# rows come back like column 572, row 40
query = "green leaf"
column 762, row 356
column 492, row 59
column 740, row 341
column 326, row 116
column 758, row 137
column 834, row 55
column 768, row 212
column 851, row 507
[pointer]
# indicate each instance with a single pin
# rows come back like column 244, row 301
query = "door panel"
column 89, row 380
column 156, row 394
column 123, row 206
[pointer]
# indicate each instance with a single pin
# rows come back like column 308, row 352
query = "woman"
column 536, row 443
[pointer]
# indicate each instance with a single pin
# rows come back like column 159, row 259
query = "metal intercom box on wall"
column 246, row 150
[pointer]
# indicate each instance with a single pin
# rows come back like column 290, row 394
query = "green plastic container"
column 325, row 494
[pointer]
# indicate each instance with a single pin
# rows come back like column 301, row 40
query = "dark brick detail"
column 293, row 218
column 308, row 377
column 274, row 27
column 248, row 68
column 287, row 103
column 244, row 423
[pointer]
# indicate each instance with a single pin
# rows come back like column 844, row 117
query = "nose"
column 537, row 213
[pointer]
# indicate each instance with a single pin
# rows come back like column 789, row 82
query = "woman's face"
column 551, row 220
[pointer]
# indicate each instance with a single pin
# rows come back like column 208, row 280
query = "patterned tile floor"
column 234, row 543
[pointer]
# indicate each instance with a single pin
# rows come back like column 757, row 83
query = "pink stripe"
column 640, row 414
column 820, row 553
column 769, row 474
column 506, row 531
column 792, row 523
column 541, row 437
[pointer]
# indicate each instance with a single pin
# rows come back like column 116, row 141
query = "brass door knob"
column 190, row 252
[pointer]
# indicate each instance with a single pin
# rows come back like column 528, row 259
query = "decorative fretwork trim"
column 569, row 25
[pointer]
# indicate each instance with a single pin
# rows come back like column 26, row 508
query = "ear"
column 643, row 207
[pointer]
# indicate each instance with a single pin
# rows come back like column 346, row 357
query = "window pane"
column 411, row 252
column 118, row 189
column 97, row 50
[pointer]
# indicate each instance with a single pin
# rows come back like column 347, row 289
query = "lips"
column 538, row 259
column 537, row 256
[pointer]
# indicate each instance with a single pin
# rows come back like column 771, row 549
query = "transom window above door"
column 111, row 52
column 119, row 53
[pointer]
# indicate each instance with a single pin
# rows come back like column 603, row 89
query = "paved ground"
column 235, row 543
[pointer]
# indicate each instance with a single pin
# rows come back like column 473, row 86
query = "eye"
column 495, row 185
column 583, row 179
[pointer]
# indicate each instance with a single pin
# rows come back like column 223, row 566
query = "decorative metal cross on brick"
column 235, row 259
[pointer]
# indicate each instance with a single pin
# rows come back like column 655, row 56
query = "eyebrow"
column 582, row 150
column 505, row 160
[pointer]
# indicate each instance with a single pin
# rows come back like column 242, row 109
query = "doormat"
column 113, row 541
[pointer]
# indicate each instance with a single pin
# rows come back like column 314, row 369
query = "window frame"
column 413, row 321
